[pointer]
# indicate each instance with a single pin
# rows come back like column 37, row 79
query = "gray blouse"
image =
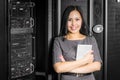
column 67, row 48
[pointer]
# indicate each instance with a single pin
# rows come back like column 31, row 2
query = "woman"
column 74, row 32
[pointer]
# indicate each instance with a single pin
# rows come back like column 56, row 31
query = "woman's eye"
column 69, row 19
column 77, row 19
column 74, row 19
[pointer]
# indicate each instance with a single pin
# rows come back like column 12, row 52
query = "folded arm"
column 67, row 66
column 88, row 68
column 71, row 66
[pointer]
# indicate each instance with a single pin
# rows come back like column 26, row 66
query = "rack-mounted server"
column 17, row 36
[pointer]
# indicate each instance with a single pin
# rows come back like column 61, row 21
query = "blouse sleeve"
column 96, row 52
column 57, row 52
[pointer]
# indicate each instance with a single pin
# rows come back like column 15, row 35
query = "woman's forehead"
column 74, row 13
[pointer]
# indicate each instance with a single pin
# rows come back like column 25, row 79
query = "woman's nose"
column 73, row 22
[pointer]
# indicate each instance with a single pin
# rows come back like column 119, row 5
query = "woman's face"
column 74, row 22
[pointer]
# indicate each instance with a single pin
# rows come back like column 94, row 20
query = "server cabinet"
column 42, row 42
column 18, row 40
column 112, row 39
column 96, row 23
column 21, row 38
column 93, row 14
column 3, row 41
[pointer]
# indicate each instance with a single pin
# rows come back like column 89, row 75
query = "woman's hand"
column 89, row 57
column 62, row 58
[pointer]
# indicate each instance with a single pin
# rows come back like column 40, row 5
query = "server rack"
column 112, row 23
column 3, row 41
column 18, row 40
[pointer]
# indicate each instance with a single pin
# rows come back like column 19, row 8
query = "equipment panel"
column 21, row 26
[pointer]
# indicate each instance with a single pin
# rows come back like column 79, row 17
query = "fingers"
column 91, row 51
column 89, row 57
column 62, row 58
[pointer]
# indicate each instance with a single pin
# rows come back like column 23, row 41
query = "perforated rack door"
column 21, row 24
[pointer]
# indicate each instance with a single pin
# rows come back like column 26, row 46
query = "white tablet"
column 82, row 50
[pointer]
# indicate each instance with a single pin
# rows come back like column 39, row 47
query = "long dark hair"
column 84, row 28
